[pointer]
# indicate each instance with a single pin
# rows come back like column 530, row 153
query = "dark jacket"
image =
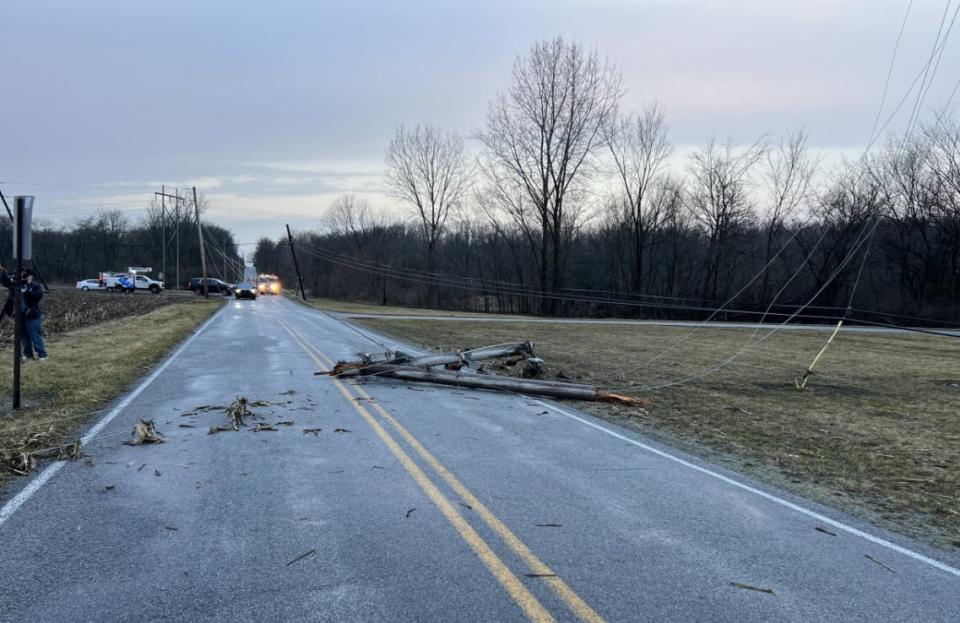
column 6, row 280
column 32, row 293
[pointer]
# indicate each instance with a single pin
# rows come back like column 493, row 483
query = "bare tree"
column 786, row 178
column 111, row 227
column 429, row 169
column 639, row 148
column 544, row 132
column 719, row 200
column 351, row 217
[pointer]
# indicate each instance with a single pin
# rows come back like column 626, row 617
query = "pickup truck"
column 123, row 283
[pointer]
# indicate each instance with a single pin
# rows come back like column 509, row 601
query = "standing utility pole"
column 23, row 207
column 163, row 232
column 177, row 205
column 296, row 265
column 203, row 255
column 163, row 229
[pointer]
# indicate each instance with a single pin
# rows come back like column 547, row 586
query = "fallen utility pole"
column 552, row 389
column 296, row 265
column 203, row 255
column 463, row 357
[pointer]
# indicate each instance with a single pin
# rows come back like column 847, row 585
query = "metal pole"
column 203, row 255
column 18, row 301
column 296, row 265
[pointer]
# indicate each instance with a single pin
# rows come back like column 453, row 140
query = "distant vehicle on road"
column 245, row 290
column 268, row 284
column 89, row 284
column 214, row 286
column 123, row 282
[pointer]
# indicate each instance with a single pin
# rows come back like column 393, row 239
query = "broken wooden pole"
column 469, row 356
column 552, row 389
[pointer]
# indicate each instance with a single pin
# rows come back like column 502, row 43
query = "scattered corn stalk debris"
column 264, row 427
column 25, row 461
column 237, row 411
column 313, row 431
column 145, row 432
column 202, row 408
column 456, row 372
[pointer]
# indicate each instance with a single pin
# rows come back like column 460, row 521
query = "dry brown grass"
column 88, row 368
column 347, row 307
column 877, row 432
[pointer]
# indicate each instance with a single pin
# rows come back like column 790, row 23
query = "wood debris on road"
column 750, row 587
column 24, row 461
column 145, row 432
column 454, row 369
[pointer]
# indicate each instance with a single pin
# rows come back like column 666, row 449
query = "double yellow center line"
column 530, row 605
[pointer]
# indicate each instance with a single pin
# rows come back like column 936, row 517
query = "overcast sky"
column 273, row 108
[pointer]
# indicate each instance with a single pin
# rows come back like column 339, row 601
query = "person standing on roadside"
column 32, row 318
column 7, row 281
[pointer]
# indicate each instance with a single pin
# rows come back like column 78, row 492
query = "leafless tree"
column 543, row 134
column 639, row 149
column 111, row 226
column 786, row 179
column 719, row 200
column 429, row 169
column 351, row 217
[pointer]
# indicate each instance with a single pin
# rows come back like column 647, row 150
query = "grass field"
column 876, row 432
column 346, row 307
column 88, row 368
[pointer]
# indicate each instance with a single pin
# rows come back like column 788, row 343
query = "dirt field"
column 66, row 309
column 876, row 432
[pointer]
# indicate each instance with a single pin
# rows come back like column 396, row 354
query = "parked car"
column 89, row 284
column 245, row 291
column 214, row 286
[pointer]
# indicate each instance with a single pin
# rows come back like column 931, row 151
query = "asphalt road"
column 432, row 504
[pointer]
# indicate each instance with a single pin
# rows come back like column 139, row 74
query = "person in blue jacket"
column 32, row 318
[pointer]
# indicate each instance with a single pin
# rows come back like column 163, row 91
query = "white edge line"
column 776, row 500
column 51, row 470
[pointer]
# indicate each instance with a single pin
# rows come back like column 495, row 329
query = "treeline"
column 575, row 207
column 111, row 241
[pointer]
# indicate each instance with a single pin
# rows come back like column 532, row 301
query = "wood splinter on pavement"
column 749, row 587
column 308, row 554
